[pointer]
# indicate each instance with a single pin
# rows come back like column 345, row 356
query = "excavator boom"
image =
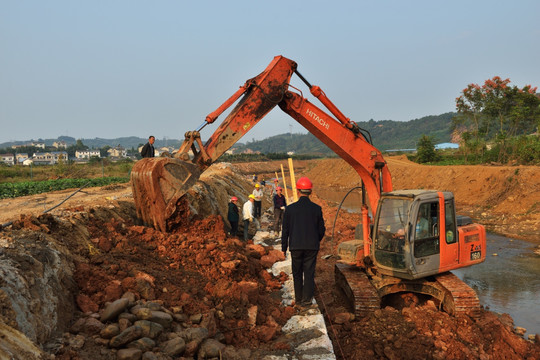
column 159, row 183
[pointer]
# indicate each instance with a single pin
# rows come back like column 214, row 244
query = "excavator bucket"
column 158, row 184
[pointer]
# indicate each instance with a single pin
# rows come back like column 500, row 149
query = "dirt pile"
column 36, row 280
column 505, row 199
column 214, row 189
column 197, row 275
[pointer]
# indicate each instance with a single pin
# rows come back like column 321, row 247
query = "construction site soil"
column 204, row 278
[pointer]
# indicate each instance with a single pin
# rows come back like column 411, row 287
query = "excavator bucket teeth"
column 158, row 184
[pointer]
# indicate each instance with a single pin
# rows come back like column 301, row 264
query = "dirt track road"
column 11, row 209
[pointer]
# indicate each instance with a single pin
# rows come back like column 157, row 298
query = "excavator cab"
column 415, row 240
column 415, row 235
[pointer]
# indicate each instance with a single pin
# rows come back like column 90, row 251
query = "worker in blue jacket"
column 302, row 231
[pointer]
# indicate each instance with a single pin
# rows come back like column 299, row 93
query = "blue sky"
column 132, row 68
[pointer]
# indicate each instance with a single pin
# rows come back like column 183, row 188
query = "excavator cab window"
column 450, row 226
column 390, row 234
column 426, row 235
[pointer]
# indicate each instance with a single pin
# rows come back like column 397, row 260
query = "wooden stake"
column 293, row 181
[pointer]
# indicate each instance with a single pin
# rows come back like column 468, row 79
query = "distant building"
column 117, row 152
column 38, row 144
column 20, row 158
column 86, row 154
column 49, row 158
column 7, row 159
column 249, row 151
column 60, row 144
column 446, row 146
column 161, row 150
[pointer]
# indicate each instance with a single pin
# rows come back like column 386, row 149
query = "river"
column 508, row 281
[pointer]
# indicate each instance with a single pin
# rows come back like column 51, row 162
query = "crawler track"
column 365, row 292
column 358, row 289
column 463, row 298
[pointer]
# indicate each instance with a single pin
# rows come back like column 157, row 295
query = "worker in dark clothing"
column 233, row 216
column 302, row 231
column 148, row 148
column 279, row 208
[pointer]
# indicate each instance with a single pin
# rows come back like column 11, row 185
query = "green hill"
column 385, row 134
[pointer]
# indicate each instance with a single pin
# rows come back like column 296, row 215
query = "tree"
column 78, row 146
column 104, row 151
column 470, row 106
column 425, row 150
column 496, row 111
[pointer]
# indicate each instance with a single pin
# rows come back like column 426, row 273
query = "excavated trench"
column 91, row 282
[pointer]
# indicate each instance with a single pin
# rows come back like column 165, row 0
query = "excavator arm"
column 159, row 183
column 346, row 142
column 260, row 95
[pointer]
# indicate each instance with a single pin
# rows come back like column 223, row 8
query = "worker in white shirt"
column 258, row 193
column 247, row 214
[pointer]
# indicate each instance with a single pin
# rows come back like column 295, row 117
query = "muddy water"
column 507, row 282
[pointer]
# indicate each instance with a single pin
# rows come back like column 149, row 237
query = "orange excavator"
column 414, row 239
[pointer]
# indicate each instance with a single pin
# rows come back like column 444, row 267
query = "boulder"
column 173, row 347
column 114, row 309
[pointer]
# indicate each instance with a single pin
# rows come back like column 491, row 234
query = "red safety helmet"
column 234, row 198
column 278, row 188
column 304, row 184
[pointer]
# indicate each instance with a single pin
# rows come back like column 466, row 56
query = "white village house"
column 117, row 152
column 87, row 154
column 49, row 158
column 7, row 159
column 20, row 158
column 60, row 144
column 38, row 144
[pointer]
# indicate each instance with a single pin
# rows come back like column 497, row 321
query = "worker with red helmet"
column 274, row 186
column 302, row 231
column 233, row 215
column 279, row 207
